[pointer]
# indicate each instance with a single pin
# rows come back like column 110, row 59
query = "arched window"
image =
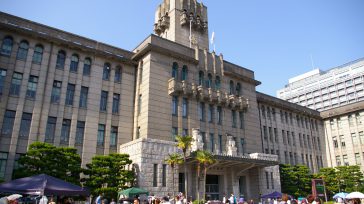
column 175, row 70
column 106, row 71
column 184, row 72
column 217, row 83
column 23, row 50
column 231, row 87
column 87, row 67
column 200, row 78
column 7, row 46
column 74, row 63
column 61, row 58
column 117, row 77
column 38, row 54
column 238, row 89
column 209, row 81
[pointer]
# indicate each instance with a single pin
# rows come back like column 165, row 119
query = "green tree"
column 60, row 162
column 173, row 160
column 295, row 180
column 205, row 159
column 108, row 174
column 184, row 143
column 331, row 180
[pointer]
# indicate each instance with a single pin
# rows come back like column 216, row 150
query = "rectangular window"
column 113, row 136
column 3, row 160
column 265, row 135
column 219, row 115
column 272, row 179
column 345, row 160
column 220, row 144
column 288, row 138
column 212, row 142
column 164, row 175
column 275, row 134
column 274, row 114
column 101, row 135
column 210, row 115
column 70, row 94
column 300, row 139
column 103, row 101
column 357, row 159
column 201, row 111
column 304, row 140
column 32, row 86
column 334, row 141
column 50, row 129
column 270, row 134
column 117, row 77
column 284, row 137
column 115, row 103
column 65, row 132
column 2, row 80
column 293, row 139
column 26, row 120
column 338, row 161
column 155, row 175
column 174, row 133
column 56, row 92
column 80, row 131
column 184, row 107
column 342, row 141
column 16, row 84
column 267, row 179
column 175, row 105
column 358, row 118
column 241, row 117
column 83, row 97
column 233, row 118
column 8, row 123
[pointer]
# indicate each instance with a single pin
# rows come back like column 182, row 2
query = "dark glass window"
column 174, row 105
column 101, row 135
column 219, row 115
column 233, row 118
column 87, row 67
column 175, row 70
column 103, row 101
column 201, row 111
column 106, row 72
column 38, row 54
column 16, row 84
column 50, row 129
column 65, row 132
column 164, row 175
column 155, row 175
column 217, row 83
column 116, row 103
column 8, row 123
column 61, row 58
column 201, row 78
column 26, row 120
column 23, row 50
column 209, row 81
column 70, row 94
column 184, row 107
column 7, row 46
column 210, row 114
column 83, row 97
column 32, row 86
column 238, row 89
column 231, row 85
column 74, row 63
column 80, row 131
column 56, row 92
column 184, row 73
column 117, row 77
column 113, row 136
column 241, row 117
column 2, row 80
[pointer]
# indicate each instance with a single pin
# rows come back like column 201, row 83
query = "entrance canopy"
column 131, row 192
column 42, row 184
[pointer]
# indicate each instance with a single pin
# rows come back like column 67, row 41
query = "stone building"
column 68, row 90
column 344, row 133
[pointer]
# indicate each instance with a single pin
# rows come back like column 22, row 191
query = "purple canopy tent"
column 275, row 194
column 42, row 184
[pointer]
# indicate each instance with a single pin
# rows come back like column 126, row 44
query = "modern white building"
column 322, row 90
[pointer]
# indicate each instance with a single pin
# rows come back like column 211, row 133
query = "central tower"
column 183, row 21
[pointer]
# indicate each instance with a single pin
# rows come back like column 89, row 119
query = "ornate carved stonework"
column 231, row 146
column 197, row 143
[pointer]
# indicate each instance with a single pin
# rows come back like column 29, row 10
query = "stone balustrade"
column 218, row 97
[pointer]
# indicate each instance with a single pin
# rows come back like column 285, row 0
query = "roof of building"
column 342, row 110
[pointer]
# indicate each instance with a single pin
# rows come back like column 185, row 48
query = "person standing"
column 98, row 199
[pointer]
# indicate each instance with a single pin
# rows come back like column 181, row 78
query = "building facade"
column 322, row 90
column 68, row 90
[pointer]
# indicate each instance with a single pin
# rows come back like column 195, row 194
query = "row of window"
column 352, row 118
column 355, row 140
column 26, row 120
column 358, row 160
column 22, row 53
column 288, row 118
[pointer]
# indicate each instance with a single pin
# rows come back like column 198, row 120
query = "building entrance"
column 212, row 187
column 242, row 186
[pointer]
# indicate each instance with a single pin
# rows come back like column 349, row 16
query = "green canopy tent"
column 132, row 192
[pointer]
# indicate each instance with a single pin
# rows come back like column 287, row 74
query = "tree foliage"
column 173, row 160
column 60, row 162
column 184, row 143
column 108, row 174
column 205, row 159
column 295, row 180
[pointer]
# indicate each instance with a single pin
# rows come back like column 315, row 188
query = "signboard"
column 318, row 188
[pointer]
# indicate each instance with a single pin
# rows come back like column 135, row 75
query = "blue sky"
column 274, row 38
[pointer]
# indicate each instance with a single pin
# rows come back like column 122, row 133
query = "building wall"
column 14, row 143
column 344, row 129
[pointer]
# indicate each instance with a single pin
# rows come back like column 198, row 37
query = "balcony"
column 174, row 87
column 203, row 93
